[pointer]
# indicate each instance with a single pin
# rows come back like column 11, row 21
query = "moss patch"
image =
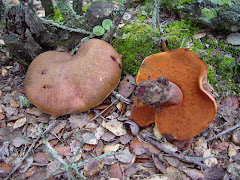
column 134, row 42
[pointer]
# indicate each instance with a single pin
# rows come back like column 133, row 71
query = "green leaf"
column 98, row 30
column 107, row 24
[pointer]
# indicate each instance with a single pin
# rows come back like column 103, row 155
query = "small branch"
column 29, row 150
column 52, row 23
column 193, row 160
column 95, row 117
column 116, row 20
column 224, row 132
column 121, row 98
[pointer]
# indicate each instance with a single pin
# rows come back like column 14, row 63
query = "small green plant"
column 24, row 102
column 107, row 24
column 57, row 16
column 98, row 30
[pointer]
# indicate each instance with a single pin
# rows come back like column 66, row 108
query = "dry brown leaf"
column 152, row 149
column 194, row 174
column 99, row 148
column 200, row 146
column 40, row 175
column 132, row 170
column 30, row 172
column 236, row 137
column 64, row 151
column 220, row 147
column 59, row 127
column 116, row 171
column 78, row 120
column 172, row 161
column 159, row 165
column 127, row 86
column 199, row 35
column 232, row 151
column 2, row 116
column 137, row 147
column 108, row 136
column 92, row 168
column 88, row 147
column 90, row 138
column 34, row 111
column 230, row 101
column 210, row 161
column 42, row 158
column 111, row 148
column 116, row 127
column 126, row 157
column 5, row 169
column 19, row 123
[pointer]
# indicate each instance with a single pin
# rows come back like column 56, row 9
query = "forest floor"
column 28, row 137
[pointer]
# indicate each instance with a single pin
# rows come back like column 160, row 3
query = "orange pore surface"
column 187, row 71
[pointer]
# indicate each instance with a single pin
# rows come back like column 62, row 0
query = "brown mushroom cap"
column 58, row 83
column 189, row 73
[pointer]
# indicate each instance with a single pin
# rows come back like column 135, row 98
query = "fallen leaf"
column 99, row 148
column 210, row 161
column 230, row 101
column 236, row 137
column 116, row 171
column 132, row 170
column 127, row 86
column 34, row 111
column 63, row 151
column 126, row 157
column 40, row 175
column 18, row 141
column 42, row 157
column 137, row 147
column 126, row 138
column 5, row 169
column 200, row 146
column 30, row 172
column 228, row 113
column 4, row 72
column 116, row 127
column 88, row 147
column 133, row 126
column 92, row 168
column 232, row 151
column 159, row 164
column 173, row 161
column 59, row 127
column 90, row 138
column 108, row 136
column 2, row 116
column 99, row 132
column 220, row 147
column 111, row 148
column 78, row 120
column 194, row 174
column 19, row 123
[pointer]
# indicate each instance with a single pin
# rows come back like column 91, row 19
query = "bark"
column 48, row 7
column 77, row 6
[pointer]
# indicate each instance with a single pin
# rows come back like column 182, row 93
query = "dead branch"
column 224, row 132
column 193, row 160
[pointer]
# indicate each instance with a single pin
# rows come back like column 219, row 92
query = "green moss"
column 57, row 16
column 177, row 31
column 134, row 43
column 208, row 13
column 178, row 2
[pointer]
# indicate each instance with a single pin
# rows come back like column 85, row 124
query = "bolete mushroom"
column 173, row 92
column 58, row 83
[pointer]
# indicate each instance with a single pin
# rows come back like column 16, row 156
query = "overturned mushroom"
column 58, row 83
column 173, row 92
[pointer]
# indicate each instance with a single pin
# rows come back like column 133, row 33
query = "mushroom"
column 58, row 83
column 173, row 92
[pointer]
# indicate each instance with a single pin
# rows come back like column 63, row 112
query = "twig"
column 224, row 132
column 184, row 38
column 95, row 117
column 77, row 30
column 121, row 98
column 29, row 150
column 193, row 160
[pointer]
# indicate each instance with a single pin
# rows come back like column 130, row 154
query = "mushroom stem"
column 159, row 92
